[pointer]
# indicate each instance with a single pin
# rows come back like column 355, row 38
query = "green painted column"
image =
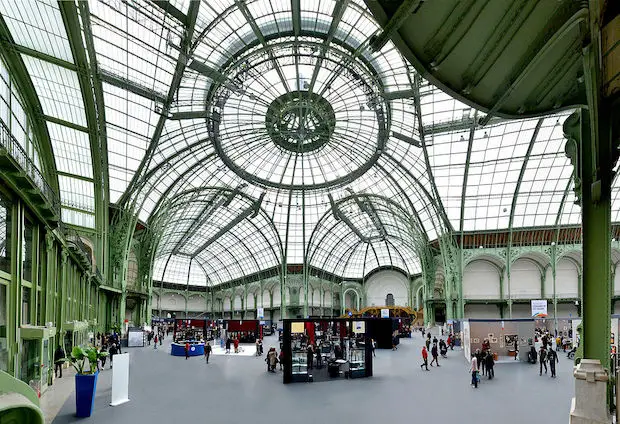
column 62, row 294
column 595, row 168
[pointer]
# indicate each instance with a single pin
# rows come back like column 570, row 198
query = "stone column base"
column 589, row 406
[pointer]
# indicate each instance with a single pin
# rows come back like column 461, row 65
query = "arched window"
column 389, row 300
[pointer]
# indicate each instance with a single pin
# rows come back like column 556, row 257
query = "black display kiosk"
column 341, row 348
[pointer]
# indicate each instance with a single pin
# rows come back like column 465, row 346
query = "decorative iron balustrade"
column 9, row 143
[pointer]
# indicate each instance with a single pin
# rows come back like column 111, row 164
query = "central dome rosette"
column 298, row 115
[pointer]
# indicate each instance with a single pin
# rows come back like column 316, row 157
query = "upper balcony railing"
column 17, row 152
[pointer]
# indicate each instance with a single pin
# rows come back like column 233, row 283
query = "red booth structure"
column 246, row 330
column 188, row 328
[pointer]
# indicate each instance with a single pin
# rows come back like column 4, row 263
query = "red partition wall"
column 310, row 331
column 245, row 325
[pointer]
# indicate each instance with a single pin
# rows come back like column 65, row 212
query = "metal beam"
column 402, row 94
column 472, row 131
column 194, row 114
column 342, row 217
column 406, row 139
column 64, row 123
column 339, row 9
column 167, row 7
column 296, row 9
column 259, row 35
column 192, row 15
column 131, row 86
column 39, row 55
column 250, row 211
column 406, row 8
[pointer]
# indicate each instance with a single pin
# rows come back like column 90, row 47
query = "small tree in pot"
column 85, row 379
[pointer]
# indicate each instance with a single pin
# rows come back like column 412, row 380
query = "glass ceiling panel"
column 38, row 25
column 58, row 90
column 545, row 177
column 71, row 150
column 136, row 41
column 77, row 193
column 79, row 218
column 130, row 121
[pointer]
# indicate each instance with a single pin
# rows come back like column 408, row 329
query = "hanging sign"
column 359, row 327
column 539, row 308
column 260, row 313
column 385, row 313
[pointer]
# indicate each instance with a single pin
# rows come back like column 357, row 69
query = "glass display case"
column 300, row 364
column 357, row 362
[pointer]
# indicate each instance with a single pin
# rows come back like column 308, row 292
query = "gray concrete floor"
column 172, row 390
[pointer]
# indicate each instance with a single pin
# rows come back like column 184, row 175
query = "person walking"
column 373, row 345
column 473, row 368
column 228, row 342
column 552, row 357
column 310, row 357
column 257, row 343
column 281, row 359
column 104, row 349
column 424, row 358
column 516, row 346
column 236, row 344
column 186, row 350
column 149, row 337
column 542, row 357
column 155, row 342
column 428, row 343
column 113, row 351
column 59, row 356
column 490, row 364
column 207, row 351
column 435, row 354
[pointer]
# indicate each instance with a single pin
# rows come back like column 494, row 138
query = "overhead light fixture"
column 462, row 138
column 552, row 243
column 480, row 247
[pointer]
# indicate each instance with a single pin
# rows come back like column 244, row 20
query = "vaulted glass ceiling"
column 250, row 134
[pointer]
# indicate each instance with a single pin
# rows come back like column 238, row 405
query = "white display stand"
column 120, row 379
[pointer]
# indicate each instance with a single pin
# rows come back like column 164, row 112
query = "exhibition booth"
column 247, row 331
column 192, row 331
column 323, row 349
column 499, row 336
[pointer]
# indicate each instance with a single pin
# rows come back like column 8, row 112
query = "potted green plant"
column 85, row 379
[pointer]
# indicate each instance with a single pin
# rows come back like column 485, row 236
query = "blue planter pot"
column 85, row 388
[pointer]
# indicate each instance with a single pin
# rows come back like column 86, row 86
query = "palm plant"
column 79, row 357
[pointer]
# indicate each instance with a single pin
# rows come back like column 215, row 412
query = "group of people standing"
column 157, row 336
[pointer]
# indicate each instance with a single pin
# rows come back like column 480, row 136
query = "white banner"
column 385, row 313
column 359, row 327
column 539, row 308
column 260, row 313
column 120, row 379
column 135, row 339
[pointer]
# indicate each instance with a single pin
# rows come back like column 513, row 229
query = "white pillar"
column 589, row 406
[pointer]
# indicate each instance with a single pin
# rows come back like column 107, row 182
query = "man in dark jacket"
column 207, row 351
column 113, row 351
column 435, row 355
column 490, row 363
column 552, row 357
column 59, row 355
column 542, row 354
